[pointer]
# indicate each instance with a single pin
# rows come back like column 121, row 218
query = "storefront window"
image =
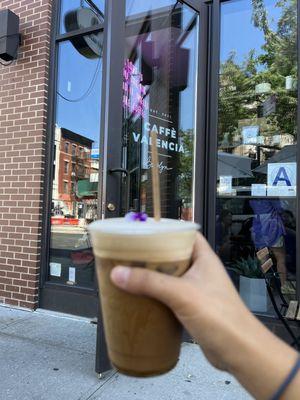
column 159, row 94
column 77, row 135
column 257, row 137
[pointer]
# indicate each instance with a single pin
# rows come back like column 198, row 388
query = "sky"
column 237, row 30
column 77, row 73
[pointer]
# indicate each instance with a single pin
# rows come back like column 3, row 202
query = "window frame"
column 56, row 39
column 66, row 187
column 212, row 130
column 66, row 147
column 66, row 170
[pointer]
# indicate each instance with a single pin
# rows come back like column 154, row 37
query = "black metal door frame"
column 212, row 120
column 59, row 297
column 298, row 163
column 111, row 120
column 111, row 136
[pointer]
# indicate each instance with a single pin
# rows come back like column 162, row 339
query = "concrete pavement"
column 50, row 356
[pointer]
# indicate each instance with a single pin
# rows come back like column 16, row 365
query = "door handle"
column 118, row 170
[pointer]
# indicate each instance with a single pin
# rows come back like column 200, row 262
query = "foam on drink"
column 121, row 226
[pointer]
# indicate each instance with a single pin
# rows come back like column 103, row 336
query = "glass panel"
column 257, row 137
column 135, row 7
column 75, row 180
column 77, row 14
column 159, row 89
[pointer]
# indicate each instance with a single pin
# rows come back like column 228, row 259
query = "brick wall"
column 23, row 99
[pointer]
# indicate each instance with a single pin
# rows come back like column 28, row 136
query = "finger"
column 201, row 247
column 205, row 260
column 165, row 288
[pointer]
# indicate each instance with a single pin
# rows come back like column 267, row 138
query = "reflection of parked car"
column 69, row 216
column 64, row 221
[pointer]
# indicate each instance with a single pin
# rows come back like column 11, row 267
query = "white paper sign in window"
column 282, row 179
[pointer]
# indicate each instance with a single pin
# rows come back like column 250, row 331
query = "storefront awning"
column 286, row 155
column 86, row 188
column 234, row 165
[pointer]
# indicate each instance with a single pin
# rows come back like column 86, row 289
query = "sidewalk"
column 50, row 356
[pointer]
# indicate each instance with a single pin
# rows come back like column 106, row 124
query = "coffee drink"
column 143, row 335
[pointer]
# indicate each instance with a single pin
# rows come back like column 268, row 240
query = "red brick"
column 28, row 277
column 27, row 304
column 5, row 280
column 21, row 269
column 23, row 111
column 12, row 302
column 6, row 267
column 13, row 275
column 19, row 296
column 4, row 293
column 10, row 288
column 29, row 291
column 19, row 282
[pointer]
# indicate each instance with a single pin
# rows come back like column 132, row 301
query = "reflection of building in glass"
column 156, row 82
column 264, row 148
column 74, row 186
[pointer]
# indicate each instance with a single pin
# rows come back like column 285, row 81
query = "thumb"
column 165, row 288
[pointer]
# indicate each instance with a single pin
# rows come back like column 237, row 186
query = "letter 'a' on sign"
column 282, row 176
column 282, row 179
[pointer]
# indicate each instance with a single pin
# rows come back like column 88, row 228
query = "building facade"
column 217, row 80
column 23, row 121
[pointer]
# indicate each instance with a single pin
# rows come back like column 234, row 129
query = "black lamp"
column 9, row 35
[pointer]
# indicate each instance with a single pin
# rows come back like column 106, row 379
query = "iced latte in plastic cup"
column 143, row 336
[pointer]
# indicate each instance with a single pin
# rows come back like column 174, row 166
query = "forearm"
column 263, row 362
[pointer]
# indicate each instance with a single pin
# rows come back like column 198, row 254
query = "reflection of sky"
column 237, row 30
column 76, row 75
column 188, row 96
column 139, row 6
column 76, row 72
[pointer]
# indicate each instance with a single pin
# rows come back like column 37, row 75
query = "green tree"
column 276, row 61
column 185, row 170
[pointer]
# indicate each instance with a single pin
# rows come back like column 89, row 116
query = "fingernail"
column 120, row 276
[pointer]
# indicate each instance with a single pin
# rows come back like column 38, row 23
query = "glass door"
column 159, row 94
column 116, row 79
column 151, row 54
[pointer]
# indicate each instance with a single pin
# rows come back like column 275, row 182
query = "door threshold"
column 58, row 314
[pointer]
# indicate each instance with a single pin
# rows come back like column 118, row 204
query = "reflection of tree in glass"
column 185, row 171
column 276, row 61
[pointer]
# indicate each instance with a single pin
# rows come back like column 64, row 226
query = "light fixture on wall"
column 90, row 46
column 10, row 37
column 177, row 77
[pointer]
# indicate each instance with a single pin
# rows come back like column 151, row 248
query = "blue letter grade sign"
column 282, row 179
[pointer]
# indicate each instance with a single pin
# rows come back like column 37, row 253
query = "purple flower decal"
column 136, row 216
